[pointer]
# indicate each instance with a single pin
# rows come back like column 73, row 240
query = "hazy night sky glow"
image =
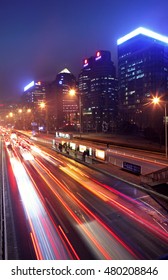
column 41, row 37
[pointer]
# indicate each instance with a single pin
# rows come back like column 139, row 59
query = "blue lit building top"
column 143, row 31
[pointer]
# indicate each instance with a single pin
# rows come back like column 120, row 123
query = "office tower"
column 63, row 106
column 33, row 97
column 98, row 88
column 142, row 73
column 34, row 93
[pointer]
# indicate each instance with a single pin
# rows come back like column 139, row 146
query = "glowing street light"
column 73, row 92
column 23, row 111
column 42, row 105
column 156, row 100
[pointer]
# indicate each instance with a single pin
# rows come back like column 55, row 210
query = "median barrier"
column 115, row 161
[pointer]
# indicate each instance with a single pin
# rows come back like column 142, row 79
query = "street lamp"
column 73, row 92
column 156, row 100
column 44, row 106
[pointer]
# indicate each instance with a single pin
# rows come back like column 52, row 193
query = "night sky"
column 41, row 37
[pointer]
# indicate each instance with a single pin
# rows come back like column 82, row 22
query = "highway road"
column 73, row 212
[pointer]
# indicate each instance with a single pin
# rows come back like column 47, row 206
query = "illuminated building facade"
column 142, row 73
column 64, row 107
column 98, row 87
column 34, row 93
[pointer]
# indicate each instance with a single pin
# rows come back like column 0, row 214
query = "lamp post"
column 72, row 92
column 44, row 106
column 156, row 100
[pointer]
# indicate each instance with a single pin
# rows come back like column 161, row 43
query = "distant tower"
column 98, row 87
column 67, row 105
column 34, row 93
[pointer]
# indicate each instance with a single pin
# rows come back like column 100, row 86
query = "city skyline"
column 40, row 38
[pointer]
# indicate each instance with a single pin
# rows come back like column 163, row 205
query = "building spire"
column 65, row 70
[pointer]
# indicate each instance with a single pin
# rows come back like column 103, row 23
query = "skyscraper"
column 61, row 103
column 98, row 88
column 34, row 93
column 142, row 73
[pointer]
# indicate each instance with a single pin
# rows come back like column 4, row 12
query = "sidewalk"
column 132, row 141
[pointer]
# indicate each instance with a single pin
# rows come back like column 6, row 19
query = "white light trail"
column 46, row 238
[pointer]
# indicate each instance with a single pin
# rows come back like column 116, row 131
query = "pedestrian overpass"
column 156, row 177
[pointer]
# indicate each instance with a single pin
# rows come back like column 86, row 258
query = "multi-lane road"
column 65, row 210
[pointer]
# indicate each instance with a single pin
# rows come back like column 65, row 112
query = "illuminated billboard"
column 82, row 148
column 72, row 146
column 29, row 86
column 100, row 154
column 143, row 31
